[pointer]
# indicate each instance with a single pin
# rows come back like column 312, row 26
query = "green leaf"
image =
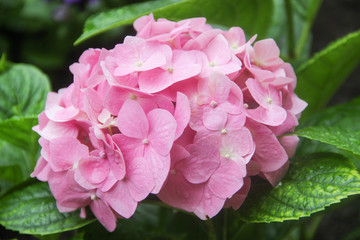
column 151, row 222
column 254, row 16
column 23, row 90
column 12, row 155
column 31, row 208
column 311, row 184
column 344, row 117
column 341, row 138
column 291, row 27
column 18, row 131
column 10, row 175
column 322, row 75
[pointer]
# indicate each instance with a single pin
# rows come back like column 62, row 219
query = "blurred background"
column 42, row 33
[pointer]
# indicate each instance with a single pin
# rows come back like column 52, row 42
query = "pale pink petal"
column 181, row 114
column 274, row 116
column 41, row 170
column 218, row 50
column 139, row 178
column 159, row 166
column 214, row 118
column 132, row 120
column 162, row 127
column 64, row 152
column 155, row 80
column 227, row 179
column 130, row 147
column 209, row 205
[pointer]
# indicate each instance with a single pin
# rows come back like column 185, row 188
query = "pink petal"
column 104, row 214
column 209, row 206
column 162, row 128
column 139, row 178
column 218, row 50
column 130, row 147
column 132, row 120
column 238, row 198
column 64, row 152
column 119, row 199
column 155, row 80
column 274, row 116
column 179, row 193
column 203, row 161
column 289, row 143
column 275, row 177
column 214, row 118
column 181, row 114
column 95, row 170
column 67, row 192
column 227, row 179
column 159, row 166
column 269, row 153
column 41, row 170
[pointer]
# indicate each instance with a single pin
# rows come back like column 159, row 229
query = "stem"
column 290, row 29
column 211, row 229
column 225, row 224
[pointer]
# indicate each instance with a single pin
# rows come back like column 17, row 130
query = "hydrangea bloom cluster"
column 181, row 110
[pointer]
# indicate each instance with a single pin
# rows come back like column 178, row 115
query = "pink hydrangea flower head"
column 181, row 110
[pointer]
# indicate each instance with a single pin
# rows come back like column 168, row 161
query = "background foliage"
column 324, row 171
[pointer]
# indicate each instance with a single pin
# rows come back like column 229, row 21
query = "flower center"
column 170, row 69
column 132, row 96
column 102, row 154
column 75, row 166
column 93, row 196
column 138, row 63
column 213, row 104
column 246, row 105
column 227, row 156
column 223, row 131
column 211, row 64
column 269, row 100
column 145, row 141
